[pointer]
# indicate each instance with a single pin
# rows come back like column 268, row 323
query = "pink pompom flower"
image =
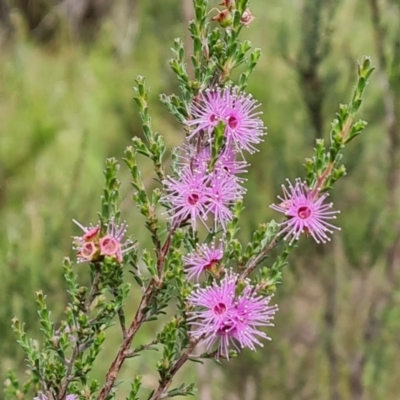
column 244, row 128
column 187, row 195
column 226, row 317
column 306, row 213
column 207, row 110
column 237, row 110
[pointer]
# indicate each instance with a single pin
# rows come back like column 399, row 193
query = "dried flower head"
column 306, row 213
column 91, row 246
column 224, row 18
column 247, row 17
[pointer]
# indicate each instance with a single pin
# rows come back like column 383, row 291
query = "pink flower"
column 306, row 213
column 207, row 111
column 252, row 312
column 228, row 162
column 243, row 127
column 222, row 193
column 196, row 191
column 201, row 161
column 226, row 317
column 205, row 258
column 187, row 195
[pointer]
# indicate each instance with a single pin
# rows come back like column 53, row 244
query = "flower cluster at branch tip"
column 228, row 315
column 41, row 396
column 225, row 17
column 206, row 182
column 92, row 246
column 306, row 213
column 205, row 258
column 237, row 111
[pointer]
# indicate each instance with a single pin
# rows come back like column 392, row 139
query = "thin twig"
column 138, row 320
column 137, row 350
column 254, row 262
column 162, row 388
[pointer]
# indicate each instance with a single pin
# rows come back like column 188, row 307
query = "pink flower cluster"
column 91, row 246
column 206, row 184
column 226, row 316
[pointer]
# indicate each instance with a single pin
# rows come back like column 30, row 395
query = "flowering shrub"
column 222, row 292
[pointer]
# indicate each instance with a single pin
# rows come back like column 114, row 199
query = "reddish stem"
column 138, row 320
column 123, row 350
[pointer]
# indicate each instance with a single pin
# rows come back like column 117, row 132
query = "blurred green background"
column 66, row 72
